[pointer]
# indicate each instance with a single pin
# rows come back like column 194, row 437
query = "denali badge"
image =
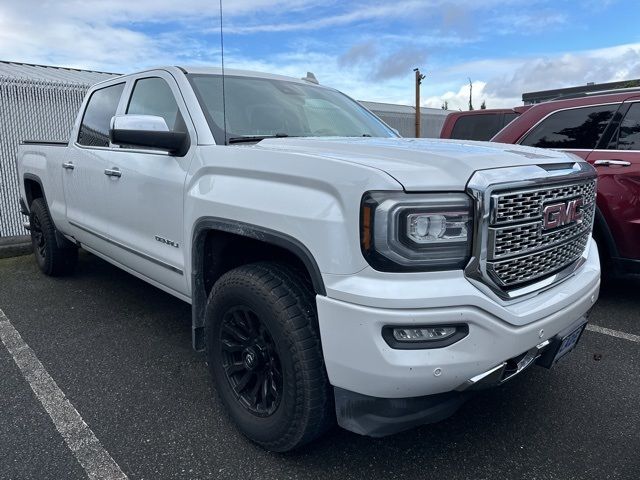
column 560, row 214
column 167, row 242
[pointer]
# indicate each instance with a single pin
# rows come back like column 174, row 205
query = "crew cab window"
column 574, row 128
column 102, row 106
column 629, row 131
column 153, row 96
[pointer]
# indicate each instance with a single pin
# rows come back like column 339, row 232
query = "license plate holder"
column 562, row 344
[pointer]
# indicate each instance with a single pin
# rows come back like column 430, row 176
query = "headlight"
column 408, row 232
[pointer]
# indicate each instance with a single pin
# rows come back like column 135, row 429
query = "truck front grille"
column 519, row 248
column 526, row 204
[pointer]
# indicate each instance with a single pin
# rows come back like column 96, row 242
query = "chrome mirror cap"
column 147, row 132
column 145, row 123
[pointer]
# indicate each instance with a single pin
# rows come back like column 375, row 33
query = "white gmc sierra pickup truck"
column 335, row 270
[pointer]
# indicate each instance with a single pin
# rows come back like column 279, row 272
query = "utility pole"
column 419, row 78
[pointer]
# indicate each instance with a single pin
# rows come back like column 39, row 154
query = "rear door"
column 618, row 165
column 85, row 188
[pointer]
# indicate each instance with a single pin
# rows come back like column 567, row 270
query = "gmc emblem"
column 560, row 214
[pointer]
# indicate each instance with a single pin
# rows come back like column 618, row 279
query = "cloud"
column 526, row 23
column 359, row 53
column 358, row 12
column 501, row 82
column 399, row 63
column 366, row 48
column 569, row 69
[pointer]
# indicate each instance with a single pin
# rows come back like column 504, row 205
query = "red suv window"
column 572, row 128
column 628, row 135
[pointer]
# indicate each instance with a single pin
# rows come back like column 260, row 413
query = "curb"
column 15, row 246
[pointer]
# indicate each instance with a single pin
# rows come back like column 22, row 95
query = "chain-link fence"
column 30, row 110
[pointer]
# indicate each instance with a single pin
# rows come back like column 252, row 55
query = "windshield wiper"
column 254, row 138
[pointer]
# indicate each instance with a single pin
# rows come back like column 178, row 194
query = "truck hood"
column 419, row 164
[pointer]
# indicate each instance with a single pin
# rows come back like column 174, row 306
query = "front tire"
column 52, row 259
column 264, row 354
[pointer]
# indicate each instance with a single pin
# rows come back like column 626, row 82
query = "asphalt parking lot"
column 120, row 350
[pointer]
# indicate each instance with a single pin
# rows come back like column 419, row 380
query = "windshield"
column 260, row 107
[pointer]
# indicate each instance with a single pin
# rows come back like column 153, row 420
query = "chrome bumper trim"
column 498, row 374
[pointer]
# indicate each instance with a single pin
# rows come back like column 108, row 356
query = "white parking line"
column 87, row 449
column 613, row 333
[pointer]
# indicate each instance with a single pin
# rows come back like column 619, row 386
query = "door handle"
column 68, row 165
column 113, row 172
column 609, row 163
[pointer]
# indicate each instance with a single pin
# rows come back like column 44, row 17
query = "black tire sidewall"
column 260, row 429
column 38, row 210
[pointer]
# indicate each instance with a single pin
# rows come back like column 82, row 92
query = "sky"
column 367, row 49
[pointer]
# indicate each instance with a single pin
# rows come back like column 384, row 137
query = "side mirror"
column 147, row 131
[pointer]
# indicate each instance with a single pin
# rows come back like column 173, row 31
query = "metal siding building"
column 403, row 118
column 40, row 102
column 36, row 103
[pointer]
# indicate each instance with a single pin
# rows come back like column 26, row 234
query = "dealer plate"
column 568, row 342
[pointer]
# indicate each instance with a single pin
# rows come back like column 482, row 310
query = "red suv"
column 605, row 131
column 478, row 124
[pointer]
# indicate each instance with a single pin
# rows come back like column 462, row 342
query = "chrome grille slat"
column 518, row 249
column 527, row 204
column 511, row 240
column 539, row 264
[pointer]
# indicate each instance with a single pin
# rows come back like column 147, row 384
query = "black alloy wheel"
column 38, row 239
column 251, row 362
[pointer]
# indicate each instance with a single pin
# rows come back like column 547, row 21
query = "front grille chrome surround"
column 513, row 255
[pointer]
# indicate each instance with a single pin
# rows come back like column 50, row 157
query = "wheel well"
column 33, row 190
column 220, row 245
column 224, row 251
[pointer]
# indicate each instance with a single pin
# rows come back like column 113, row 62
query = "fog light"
column 422, row 334
column 416, row 337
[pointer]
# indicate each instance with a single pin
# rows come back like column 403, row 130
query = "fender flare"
column 205, row 224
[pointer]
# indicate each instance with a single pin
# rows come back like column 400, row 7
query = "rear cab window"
column 481, row 126
column 477, row 127
column 96, row 121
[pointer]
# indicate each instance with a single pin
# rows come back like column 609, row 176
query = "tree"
column 484, row 105
column 470, row 94
column 445, row 105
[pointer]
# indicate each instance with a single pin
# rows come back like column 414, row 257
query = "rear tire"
column 52, row 259
column 265, row 357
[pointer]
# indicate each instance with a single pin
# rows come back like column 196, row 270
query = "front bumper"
column 358, row 359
